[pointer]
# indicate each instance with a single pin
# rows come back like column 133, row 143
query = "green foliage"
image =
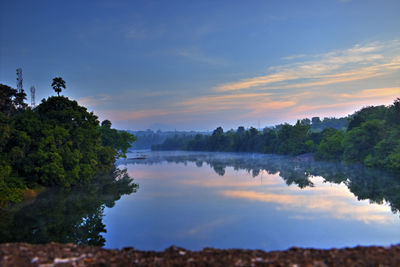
column 292, row 139
column 330, row 147
column 372, row 138
column 59, row 143
column 121, row 141
column 11, row 188
column 359, row 141
column 386, row 153
column 367, row 113
column 66, row 215
column 11, row 101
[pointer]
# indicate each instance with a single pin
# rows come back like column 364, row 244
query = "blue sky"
column 202, row 64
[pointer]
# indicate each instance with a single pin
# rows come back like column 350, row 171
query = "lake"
column 223, row 200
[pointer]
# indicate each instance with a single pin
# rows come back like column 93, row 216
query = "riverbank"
column 54, row 254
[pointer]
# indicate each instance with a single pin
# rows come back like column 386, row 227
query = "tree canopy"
column 372, row 137
column 58, row 84
column 59, row 143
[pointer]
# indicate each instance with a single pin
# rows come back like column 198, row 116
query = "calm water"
column 223, row 200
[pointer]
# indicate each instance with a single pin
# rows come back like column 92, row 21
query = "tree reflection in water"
column 61, row 215
column 365, row 183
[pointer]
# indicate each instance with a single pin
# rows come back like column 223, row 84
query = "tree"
column 292, row 139
column 360, row 141
column 331, row 147
column 57, row 84
column 11, row 100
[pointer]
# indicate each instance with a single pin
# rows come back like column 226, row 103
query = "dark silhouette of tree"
column 11, row 100
column 106, row 124
column 57, row 84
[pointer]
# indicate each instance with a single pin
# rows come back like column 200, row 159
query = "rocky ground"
column 53, row 254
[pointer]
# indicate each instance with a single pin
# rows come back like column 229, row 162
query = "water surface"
column 236, row 200
column 223, row 200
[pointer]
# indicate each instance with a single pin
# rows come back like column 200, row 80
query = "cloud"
column 195, row 54
column 94, row 101
column 390, row 92
column 337, row 203
column 331, row 84
column 346, row 102
column 294, row 57
column 234, row 180
column 246, row 102
column 357, row 63
column 220, row 99
column 140, row 114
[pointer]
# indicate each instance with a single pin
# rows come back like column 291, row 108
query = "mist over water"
column 270, row 202
column 222, row 200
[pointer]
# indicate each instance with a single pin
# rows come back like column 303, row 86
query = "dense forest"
column 57, row 143
column 370, row 136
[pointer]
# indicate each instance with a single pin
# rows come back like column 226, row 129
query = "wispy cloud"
column 294, row 57
column 135, row 115
column 338, row 203
column 391, row 92
column 94, row 101
column 195, row 54
column 331, row 84
column 357, row 63
column 252, row 103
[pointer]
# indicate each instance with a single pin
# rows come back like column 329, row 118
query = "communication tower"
column 33, row 91
column 19, row 80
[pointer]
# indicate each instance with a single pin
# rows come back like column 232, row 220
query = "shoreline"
column 55, row 254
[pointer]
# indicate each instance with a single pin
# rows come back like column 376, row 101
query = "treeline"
column 148, row 138
column 372, row 137
column 58, row 143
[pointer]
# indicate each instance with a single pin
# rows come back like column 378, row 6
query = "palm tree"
column 57, row 84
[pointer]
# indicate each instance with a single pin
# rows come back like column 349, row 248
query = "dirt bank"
column 53, row 254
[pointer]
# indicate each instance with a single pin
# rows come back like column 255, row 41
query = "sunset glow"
column 196, row 66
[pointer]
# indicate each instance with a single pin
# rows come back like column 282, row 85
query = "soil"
column 54, row 254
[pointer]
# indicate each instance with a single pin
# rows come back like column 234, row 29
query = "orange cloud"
column 256, row 102
column 373, row 93
column 348, row 65
column 257, row 81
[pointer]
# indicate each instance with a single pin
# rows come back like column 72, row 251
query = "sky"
column 197, row 65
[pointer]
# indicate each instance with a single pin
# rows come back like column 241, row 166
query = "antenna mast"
column 33, row 90
column 19, row 80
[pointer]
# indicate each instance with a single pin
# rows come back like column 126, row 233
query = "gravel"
column 54, row 254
